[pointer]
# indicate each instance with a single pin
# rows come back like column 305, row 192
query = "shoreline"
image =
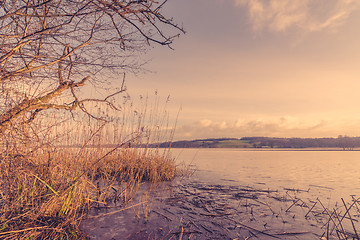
column 279, row 149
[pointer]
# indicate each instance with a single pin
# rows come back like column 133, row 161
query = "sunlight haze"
column 260, row 68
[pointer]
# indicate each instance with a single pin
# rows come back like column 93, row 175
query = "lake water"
column 336, row 173
column 239, row 192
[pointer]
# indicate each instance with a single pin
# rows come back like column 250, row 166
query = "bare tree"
column 49, row 49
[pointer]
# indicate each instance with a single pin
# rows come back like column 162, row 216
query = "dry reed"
column 52, row 174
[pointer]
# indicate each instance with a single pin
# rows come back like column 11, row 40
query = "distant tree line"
column 200, row 143
column 343, row 142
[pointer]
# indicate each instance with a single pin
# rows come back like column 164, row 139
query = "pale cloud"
column 214, row 125
column 223, row 125
column 286, row 126
column 306, row 15
column 206, row 123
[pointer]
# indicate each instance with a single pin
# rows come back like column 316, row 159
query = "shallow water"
column 335, row 172
column 238, row 194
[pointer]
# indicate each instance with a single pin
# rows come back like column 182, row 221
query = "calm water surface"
column 337, row 172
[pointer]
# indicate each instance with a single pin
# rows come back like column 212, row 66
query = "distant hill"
column 345, row 143
column 209, row 143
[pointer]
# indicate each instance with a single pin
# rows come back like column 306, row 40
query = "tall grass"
column 52, row 173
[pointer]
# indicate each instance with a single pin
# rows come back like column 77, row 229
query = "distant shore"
column 253, row 143
column 339, row 143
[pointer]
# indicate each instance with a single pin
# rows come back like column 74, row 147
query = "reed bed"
column 47, row 195
column 53, row 173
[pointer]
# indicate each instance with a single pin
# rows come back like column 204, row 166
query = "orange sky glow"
column 279, row 68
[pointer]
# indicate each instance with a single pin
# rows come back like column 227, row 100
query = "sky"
column 276, row 68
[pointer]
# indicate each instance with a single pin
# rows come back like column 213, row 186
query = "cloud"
column 213, row 125
column 306, row 15
column 206, row 123
column 285, row 126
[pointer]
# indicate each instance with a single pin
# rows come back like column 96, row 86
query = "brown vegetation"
column 45, row 194
column 49, row 53
column 47, row 185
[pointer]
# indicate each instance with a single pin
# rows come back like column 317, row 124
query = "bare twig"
column 351, row 220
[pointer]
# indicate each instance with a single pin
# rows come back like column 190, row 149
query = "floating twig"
column 321, row 187
column 292, row 205
column 291, row 233
column 254, row 229
column 270, row 208
column 310, row 210
column 163, row 215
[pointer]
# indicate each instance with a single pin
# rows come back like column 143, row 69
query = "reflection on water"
column 335, row 171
